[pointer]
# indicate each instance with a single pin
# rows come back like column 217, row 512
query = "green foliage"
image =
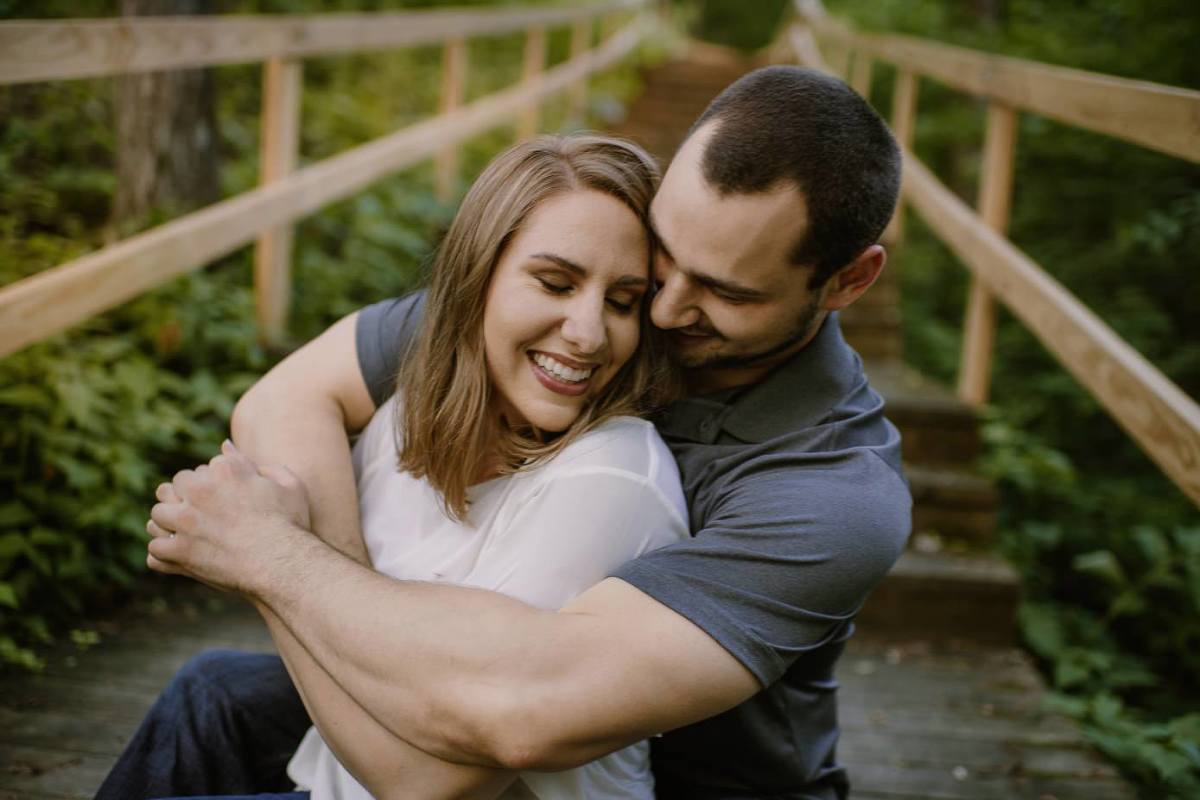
column 1107, row 547
column 730, row 23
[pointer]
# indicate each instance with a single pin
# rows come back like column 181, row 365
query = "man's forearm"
column 461, row 673
column 382, row 762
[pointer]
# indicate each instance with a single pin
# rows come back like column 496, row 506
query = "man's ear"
column 849, row 282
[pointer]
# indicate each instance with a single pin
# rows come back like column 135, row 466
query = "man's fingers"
column 165, row 493
column 169, row 516
column 162, row 566
column 156, row 531
column 168, row 550
column 237, row 459
column 281, row 475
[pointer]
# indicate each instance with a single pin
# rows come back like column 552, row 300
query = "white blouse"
column 542, row 536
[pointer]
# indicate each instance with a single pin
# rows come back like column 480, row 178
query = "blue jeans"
column 227, row 724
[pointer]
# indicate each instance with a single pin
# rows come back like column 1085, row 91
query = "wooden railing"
column 1154, row 411
column 50, row 301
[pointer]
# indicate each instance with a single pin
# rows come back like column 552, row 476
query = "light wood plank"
column 581, row 40
column 454, row 81
column 995, row 199
column 904, row 120
column 860, row 79
column 804, row 44
column 534, row 64
column 42, row 51
column 41, row 305
column 1163, row 420
column 279, row 149
column 1163, row 118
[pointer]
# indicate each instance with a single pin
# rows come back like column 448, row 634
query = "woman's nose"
column 583, row 327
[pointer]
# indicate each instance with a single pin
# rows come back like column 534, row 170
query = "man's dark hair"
column 794, row 124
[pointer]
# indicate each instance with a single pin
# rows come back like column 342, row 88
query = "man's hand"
column 222, row 522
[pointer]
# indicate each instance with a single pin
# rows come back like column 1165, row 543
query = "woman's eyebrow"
column 582, row 271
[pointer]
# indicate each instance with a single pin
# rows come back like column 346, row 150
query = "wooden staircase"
column 949, row 585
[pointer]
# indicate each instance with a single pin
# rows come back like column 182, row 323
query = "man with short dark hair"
column 767, row 222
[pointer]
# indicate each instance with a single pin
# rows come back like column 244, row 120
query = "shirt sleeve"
column 572, row 532
column 784, row 559
column 384, row 334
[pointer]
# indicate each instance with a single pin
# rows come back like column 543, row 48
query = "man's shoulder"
column 384, row 332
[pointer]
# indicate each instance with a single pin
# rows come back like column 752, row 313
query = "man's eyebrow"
column 582, row 271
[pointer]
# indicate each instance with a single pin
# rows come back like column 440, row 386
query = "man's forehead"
column 750, row 236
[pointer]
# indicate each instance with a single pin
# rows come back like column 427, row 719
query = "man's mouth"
column 694, row 333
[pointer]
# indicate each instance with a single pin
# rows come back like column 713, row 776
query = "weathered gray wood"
column 30, row 772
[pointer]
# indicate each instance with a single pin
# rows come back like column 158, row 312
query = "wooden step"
column 943, row 596
column 955, row 508
column 936, row 428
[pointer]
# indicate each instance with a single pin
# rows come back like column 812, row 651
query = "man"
column 767, row 219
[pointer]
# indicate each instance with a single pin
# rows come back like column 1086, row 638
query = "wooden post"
column 609, row 24
column 904, row 113
column 454, row 78
column 860, row 79
column 839, row 59
column 535, row 62
column 581, row 42
column 278, row 150
column 994, row 202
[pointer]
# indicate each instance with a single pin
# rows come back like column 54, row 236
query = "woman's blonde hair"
column 447, row 431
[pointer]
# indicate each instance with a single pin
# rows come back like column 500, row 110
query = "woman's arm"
column 299, row 415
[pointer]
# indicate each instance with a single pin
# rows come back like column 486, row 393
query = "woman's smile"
column 561, row 375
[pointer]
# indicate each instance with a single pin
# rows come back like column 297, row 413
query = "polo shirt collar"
column 795, row 395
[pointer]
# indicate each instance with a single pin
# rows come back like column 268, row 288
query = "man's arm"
column 471, row 675
column 464, row 674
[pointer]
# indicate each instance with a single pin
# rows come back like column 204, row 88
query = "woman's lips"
column 554, row 384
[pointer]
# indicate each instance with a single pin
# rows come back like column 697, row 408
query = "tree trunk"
column 166, row 132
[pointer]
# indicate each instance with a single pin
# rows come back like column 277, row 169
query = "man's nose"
column 583, row 327
column 673, row 305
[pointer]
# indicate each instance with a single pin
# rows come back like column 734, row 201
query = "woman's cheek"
column 630, row 334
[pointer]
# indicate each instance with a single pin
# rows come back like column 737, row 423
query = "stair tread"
column 975, row 568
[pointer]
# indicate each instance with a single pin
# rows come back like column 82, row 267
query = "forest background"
column 1108, row 549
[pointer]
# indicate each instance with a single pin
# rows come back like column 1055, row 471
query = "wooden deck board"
column 919, row 720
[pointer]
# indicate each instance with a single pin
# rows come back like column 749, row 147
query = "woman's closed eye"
column 623, row 305
column 555, row 286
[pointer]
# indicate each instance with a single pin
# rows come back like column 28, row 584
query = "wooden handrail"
column 1159, row 416
column 43, row 304
column 44, row 51
column 1152, row 409
column 1163, row 118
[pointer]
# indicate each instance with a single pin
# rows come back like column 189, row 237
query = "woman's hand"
column 223, row 521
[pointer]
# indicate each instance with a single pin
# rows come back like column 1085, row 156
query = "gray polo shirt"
column 798, row 508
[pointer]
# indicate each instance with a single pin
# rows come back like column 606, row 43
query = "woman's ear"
column 849, row 283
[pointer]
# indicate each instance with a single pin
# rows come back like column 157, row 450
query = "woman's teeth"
column 561, row 370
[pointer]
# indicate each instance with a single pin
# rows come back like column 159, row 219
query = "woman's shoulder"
column 619, row 444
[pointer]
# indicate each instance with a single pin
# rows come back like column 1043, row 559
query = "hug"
column 618, row 489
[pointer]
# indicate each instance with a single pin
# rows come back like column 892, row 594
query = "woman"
column 510, row 457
